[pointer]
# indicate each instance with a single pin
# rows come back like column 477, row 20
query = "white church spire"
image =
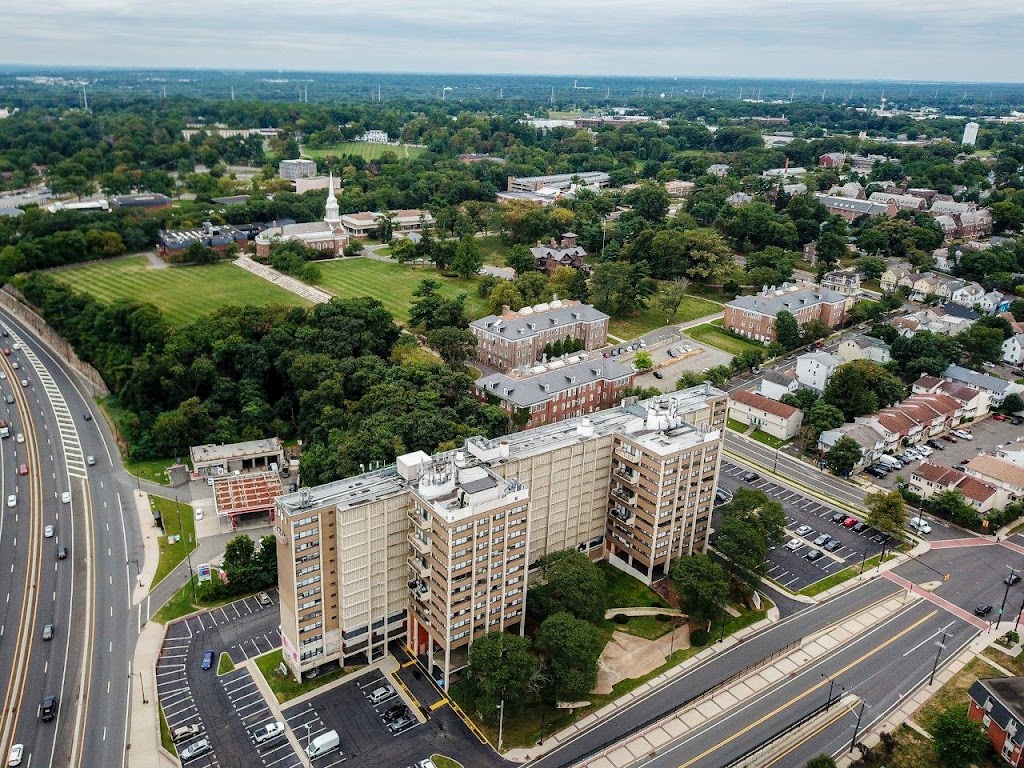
column 331, row 215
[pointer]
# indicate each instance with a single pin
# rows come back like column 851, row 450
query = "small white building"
column 373, row 137
column 1013, row 349
column 863, row 347
column 814, row 369
column 776, row 385
column 770, row 416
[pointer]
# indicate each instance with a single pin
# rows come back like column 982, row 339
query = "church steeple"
column 331, row 215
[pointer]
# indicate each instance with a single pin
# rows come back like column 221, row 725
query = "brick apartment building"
column 437, row 549
column 563, row 253
column 997, row 703
column 562, row 389
column 517, row 339
column 754, row 316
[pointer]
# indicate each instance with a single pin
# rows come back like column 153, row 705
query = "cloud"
column 910, row 39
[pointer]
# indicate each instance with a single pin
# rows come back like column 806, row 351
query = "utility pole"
column 501, row 715
column 1009, row 581
column 856, row 728
column 1017, row 621
column 831, row 684
column 938, row 652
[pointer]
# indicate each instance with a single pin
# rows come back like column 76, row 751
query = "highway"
column 87, row 596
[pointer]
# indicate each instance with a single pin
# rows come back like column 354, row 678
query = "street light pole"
column 1017, row 621
column 143, row 687
column 856, row 728
column 1006, row 594
column 831, row 685
column 938, row 652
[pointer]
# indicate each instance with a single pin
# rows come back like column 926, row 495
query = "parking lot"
column 366, row 741
column 226, row 708
column 790, row 567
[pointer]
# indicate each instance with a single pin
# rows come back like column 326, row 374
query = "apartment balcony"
column 628, row 474
column 623, row 515
column 419, row 567
column 627, row 453
column 420, row 590
column 418, row 544
column 417, row 519
column 625, row 495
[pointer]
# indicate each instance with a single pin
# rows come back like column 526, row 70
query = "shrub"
column 620, row 618
column 699, row 638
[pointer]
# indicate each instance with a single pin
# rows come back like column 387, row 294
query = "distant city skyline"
column 941, row 40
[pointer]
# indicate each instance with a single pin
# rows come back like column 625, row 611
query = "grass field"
column 654, row 317
column 363, row 150
column 286, row 688
column 393, row 284
column 178, row 521
column 715, row 337
column 181, row 293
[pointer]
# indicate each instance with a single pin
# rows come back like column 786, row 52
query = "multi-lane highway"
column 87, row 596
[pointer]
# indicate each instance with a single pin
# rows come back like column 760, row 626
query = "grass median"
column 839, row 577
column 179, row 521
column 286, row 687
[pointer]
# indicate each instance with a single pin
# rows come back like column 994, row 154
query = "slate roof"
column 533, row 390
column 517, row 325
column 772, row 304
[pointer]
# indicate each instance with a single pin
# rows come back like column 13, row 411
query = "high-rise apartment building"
column 437, row 550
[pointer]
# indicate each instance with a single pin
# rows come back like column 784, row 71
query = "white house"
column 862, row 347
column 997, row 389
column 814, row 369
column 1013, row 349
column 776, row 419
column 775, row 384
column 967, row 295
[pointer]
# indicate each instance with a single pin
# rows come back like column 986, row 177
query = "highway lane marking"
column 799, row 697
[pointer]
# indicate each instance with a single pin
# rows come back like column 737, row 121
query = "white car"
column 794, row 544
column 383, row 693
column 803, row 530
column 12, row 500
column 66, row 497
column 48, row 532
column 914, row 454
column 19, row 438
column 24, row 382
column 963, row 434
column 14, row 756
column 15, row 365
column 183, row 732
column 268, row 733
column 4, row 376
column 15, row 346
column 199, row 513
column 920, row 525
column 194, row 750
column 924, row 450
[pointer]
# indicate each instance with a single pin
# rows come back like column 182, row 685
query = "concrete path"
column 144, row 748
column 299, row 288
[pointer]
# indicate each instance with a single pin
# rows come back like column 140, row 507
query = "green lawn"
column 839, row 577
column 654, row 317
column 769, row 440
column 178, row 520
column 165, row 733
column 393, row 284
column 364, row 150
column 954, row 692
column 150, row 469
column 623, row 591
column 181, row 293
column 225, row 664
column 493, row 250
column 181, row 604
column 737, row 426
column 286, row 688
column 715, row 337
column 442, row 761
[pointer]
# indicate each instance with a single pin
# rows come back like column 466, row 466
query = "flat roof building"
column 252, row 455
column 437, row 549
column 296, row 169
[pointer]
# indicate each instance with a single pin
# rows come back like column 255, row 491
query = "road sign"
column 205, row 572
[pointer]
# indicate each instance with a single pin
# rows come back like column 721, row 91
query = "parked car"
column 920, row 525
column 673, row 353
column 949, row 439
column 936, row 445
column 839, row 517
column 659, row 375
column 880, row 538
column 963, row 434
column 183, row 732
column 268, row 732
column 998, row 417
column 875, row 470
column 1011, row 578
column 861, row 526
column 803, row 530
column 813, row 555
column 383, row 693
column 925, row 450
column 750, row 477
column 207, row 660
column 263, row 598
column 394, row 713
column 913, row 453
column 850, row 522
column 833, row 545
column 822, row 540
column 794, row 544
column 194, row 750
column 983, row 609
column 401, row 723
column 1017, row 420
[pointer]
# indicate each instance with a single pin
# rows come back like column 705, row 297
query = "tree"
column 571, row 583
column 672, row 295
column 571, row 648
column 500, row 669
column 1012, row 403
column 468, row 259
column 959, row 741
column 885, row 512
column 952, row 506
column 505, row 294
column 743, row 545
column 831, row 248
column 787, row 331
column 706, row 256
column 871, row 267
column 843, row 456
column 455, row 345
column 642, row 360
column 819, row 418
column 701, row 583
column 821, row 761
column 756, row 508
column 981, row 344
column 861, row 387
column 521, row 260
column 802, row 399
column 534, row 287
column 649, row 201
column 621, row 288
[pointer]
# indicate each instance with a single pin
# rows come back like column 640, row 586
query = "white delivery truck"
column 890, row 461
column 323, row 744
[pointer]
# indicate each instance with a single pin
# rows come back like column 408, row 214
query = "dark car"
column 983, row 609
column 207, row 660
column 394, row 713
column 1011, row 578
column 48, row 710
column 833, row 545
column 880, row 538
column 876, row 471
column 1017, row 420
column 861, row 526
column 839, row 517
column 401, row 723
column 813, row 555
column 88, row 416
column 936, row 445
column 659, row 375
column 62, row 553
column 750, row 477
column 949, row 438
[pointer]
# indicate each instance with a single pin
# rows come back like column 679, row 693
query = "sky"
column 926, row 40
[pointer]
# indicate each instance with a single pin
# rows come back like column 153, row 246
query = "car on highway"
column 750, row 477
column 87, row 416
column 850, row 522
column 963, row 434
column 380, row 694
column 822, row 540
column 66, row 497
column 16, row 346
column 803, row 530
column 921, row 525
column 813, row 555
column 1011, row 578
column 183, row 732
column 19, row 438
column 194, row 750
column 207, row 660
column 983, row 609
column 90, row 460
column 268, row 733
column 62, row 553
column 15, row 365
column 9, row 399
column 12, row 500
column 833, row 545
column 48, row 709
column 48, row 532
column 48, row 630
column 794, row 544
column 15, row 755
column 7, row 351
column 24, row 382
column 23, row 469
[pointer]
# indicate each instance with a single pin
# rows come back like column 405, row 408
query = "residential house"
column 850, row 210
column 562, row 389
column 776, row 384
column 975, row 223
column 795, row 189
column 967, row 294
column 997, row 388
column 515, row 339
column 851, row 189
column 776, row 419
column 949, row 207
column 1013, row 349
column 679, row 188
column 974, row 401
column 559, row 254
column 903, row 202
column 814, row 369
column 891, row 278
column 843, row 281
column 784, row 173
column 866, row 433
column 737, row 199
column 927, row 479
column 866, row 163
column 992, row 302
column 949, row 225
column 947, row 319
column 1000, row 473
column 754, row 316
column 998, row 704
column 861, row 347
column 832, row 160
column 721, row 170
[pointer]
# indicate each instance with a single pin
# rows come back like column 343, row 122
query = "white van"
column 890, row 461
column 323, row 744
column 920, row 525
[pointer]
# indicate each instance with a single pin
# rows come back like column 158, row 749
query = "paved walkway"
column 299, row 288
column 947, row 606
column 144, row 748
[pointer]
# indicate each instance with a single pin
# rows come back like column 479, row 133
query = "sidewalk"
column 299, row 288
column 151, row 544
column 144, row 748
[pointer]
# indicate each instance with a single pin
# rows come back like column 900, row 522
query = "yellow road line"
column 438, row 704
column 841, row 713
column 807, row 692
column 409, row 663
column 408, row 693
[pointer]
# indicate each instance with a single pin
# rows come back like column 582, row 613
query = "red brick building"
column 997, row 703
column 562, row 389
column 754, row 316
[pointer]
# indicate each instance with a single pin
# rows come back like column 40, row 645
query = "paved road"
column 667, row 698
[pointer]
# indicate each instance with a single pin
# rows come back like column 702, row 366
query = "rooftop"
column 786, row 298
column 237, row 495
column 542, row 382
column 530, row 320
column 212, row 452
column 1009, row 692
column 976, row 379
column 763, row 403
column 997, row 469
